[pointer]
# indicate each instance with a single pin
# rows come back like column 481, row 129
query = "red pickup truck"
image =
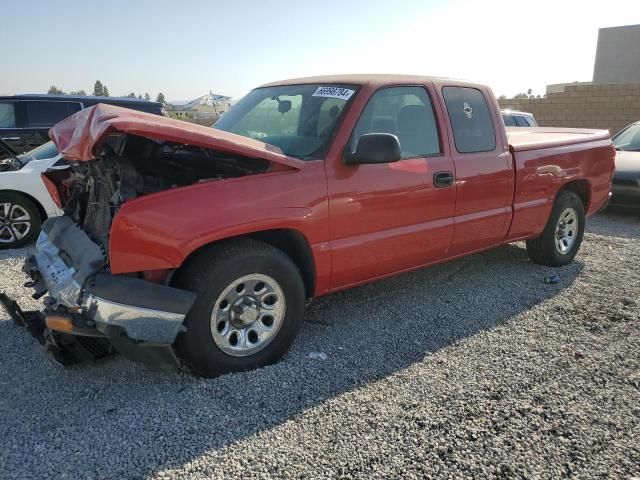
column 207, row 242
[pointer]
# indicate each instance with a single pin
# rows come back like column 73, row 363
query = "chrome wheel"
column 15, row 222
column 248, row 315
column 566, row 230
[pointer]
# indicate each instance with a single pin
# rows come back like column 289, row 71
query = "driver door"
column 385, row 218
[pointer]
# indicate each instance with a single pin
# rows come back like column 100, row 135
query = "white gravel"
column 474, row 369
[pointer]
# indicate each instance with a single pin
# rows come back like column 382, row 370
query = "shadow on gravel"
column 120, row 420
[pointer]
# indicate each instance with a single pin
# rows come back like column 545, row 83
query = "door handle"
column 443, row 179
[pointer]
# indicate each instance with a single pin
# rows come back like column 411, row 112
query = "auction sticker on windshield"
column 334, row 92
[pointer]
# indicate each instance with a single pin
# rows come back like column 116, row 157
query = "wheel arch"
column 291, row 242
column 582, row 188
column 41, row 211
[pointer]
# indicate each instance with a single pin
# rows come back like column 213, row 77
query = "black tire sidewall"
column 566, row 199
column 197, row 347
column 34, row 213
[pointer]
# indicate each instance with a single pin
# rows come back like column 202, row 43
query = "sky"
column 187, row 48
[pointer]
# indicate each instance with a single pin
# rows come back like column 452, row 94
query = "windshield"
column 47, row 150
column 298, row 119
column 628, row 139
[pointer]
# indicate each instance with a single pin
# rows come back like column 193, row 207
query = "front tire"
column 562, row 236
column 249, row 309
column 19, row 220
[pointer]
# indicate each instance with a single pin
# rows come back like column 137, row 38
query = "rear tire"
column 562, row 235
column 19, row 220
column 249, row 309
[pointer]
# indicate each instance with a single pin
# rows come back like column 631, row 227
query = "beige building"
column 618, row 55
column 611, row 101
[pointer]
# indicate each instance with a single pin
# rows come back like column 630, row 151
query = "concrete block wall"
column 609, row 107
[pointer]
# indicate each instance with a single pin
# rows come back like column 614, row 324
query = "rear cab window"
column 521, row 121
column 509, row 121
column 470, row 118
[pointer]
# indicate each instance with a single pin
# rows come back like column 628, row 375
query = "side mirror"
column 375, row 148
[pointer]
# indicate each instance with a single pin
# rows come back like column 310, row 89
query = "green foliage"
column 78, row 92
column 529, row 94
column 98, row 89
column 131, row 95
column 147, row 96
column 160, row 98
column 53, row 90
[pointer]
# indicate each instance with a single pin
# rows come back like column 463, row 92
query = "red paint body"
column 368, row 221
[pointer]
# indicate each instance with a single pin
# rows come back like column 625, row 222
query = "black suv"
column 25, row 119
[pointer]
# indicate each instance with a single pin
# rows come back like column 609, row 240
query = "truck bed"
column 522, row 139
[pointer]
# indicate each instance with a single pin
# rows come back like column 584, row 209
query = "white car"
column 25, row 201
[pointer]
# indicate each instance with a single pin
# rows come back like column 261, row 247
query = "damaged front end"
column 89, row 312
column 115, row 156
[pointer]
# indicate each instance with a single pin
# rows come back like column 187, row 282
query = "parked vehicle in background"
column 625, row 187
column 208, row 241
column 25, row 119
column 515, row 118
column 25, row 201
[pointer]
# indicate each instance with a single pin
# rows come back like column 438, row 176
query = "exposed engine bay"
column 131, row 166
column 9, row 165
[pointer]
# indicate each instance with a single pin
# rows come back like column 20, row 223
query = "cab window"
column 509, row 121
column 521, row 121
column 7, row 115
column 470, row 119
column 405, row 112
column 47, row 114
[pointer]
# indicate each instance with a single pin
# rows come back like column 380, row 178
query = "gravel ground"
column 475, row 369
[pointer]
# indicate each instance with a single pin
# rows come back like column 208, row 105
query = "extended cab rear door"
column 483, row 167
column 385, row 218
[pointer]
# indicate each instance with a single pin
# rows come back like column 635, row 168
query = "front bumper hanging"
column 66, row 349
column 88, row 312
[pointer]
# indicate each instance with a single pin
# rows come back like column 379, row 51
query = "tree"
column 147, row 96
column 139, row 97
column 160, row 98
column 502, row 97
column 98, row 89
column 529, row 92
column 78, row 92
column 53, row 90
column 105, row 91
column 521, row 95
column 131, row 95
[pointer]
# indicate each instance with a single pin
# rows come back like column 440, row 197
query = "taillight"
column 52, row 189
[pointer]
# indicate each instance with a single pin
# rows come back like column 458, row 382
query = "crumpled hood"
column 82, row 135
